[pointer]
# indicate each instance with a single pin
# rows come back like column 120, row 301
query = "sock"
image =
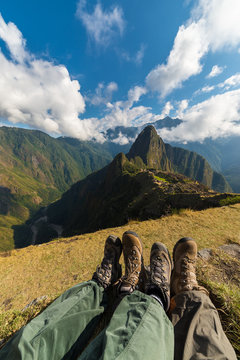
column 158, row 299
column 158, row 295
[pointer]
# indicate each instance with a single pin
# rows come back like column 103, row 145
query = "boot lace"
column 158, row 273
column 132, row 269
column 188, row 276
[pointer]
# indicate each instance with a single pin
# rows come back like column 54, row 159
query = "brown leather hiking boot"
column 110, row 270
column 184, row 272
column 158, row 283
column 132, row 251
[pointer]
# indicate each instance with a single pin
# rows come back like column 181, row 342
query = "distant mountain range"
column 143, row 184
column 35, row 169
column 223, row 154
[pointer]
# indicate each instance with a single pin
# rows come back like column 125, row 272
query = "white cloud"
column 166, row 110
column 183, row 105
column 216, row 70
column 122, row 139
column 231, row 82
column 125, row 113
column 135, row 93
column 222, row 24
column 39, row 93
column 207, row 89
column 13, row 38
column 137, row 58
column 216, row 117
column 214, row 25
column 183, row 61
column 103, row 94
column 140, row 54
column 102, row 26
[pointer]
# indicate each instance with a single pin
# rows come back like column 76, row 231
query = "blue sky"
column 77, row 68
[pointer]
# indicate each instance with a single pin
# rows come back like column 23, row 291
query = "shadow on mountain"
column 22, row 236
column 147, row 183
column 5, row 200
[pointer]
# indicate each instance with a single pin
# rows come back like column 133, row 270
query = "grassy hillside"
column 49, row 269
column 35, row 169
column 120, row 192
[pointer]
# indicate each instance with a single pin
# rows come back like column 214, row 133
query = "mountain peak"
column 149, row 130
column 151, row 149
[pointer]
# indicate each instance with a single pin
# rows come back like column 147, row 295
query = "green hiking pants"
column 138, row 329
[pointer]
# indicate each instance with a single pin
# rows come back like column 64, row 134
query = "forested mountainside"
column 35, row 169
column 140, row 185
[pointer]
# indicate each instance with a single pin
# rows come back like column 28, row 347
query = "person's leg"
column 198, row 330
column 139, row 327
column 63, row 329
column 197, row 327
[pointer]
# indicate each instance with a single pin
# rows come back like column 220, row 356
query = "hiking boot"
column 184, row 273
column 110, row 270
column 158, row 283
column 132, row 251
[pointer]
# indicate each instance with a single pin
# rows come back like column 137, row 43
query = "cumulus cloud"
column 42, row 95
column 183, row 61
column 103, row 94
column 14, row 40
column 134, row 94
column 216, row 70
column 124, row 112
column 167, row 109
column 232, row 81
column 214, row 25
column 101, row 26
column 222, row 24
column 128, row 113
column 182, row 106
column 122, row 139
column 39, row 93
column 205, row 89
column 215, row 117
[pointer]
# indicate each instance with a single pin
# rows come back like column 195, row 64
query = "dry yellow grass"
column 51, row 268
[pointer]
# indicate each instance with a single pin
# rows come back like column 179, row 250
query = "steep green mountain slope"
column 155, row 154
column 222, row 154
column 150, row 150
column 35, row 169
column 136, row 186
